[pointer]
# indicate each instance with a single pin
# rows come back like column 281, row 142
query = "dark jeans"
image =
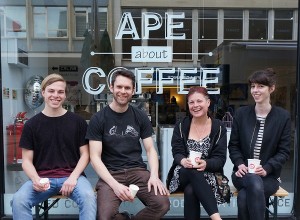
column 253, row 192
column 196, row 191
column 156, row 206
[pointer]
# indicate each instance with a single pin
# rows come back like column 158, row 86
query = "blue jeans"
column 26, row 197
column 253, row 192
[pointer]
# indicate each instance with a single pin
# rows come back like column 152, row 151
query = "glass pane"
column 39, row 25
column 283, row 30
column 205, row 13
column 127, row 44
column 258, row 29
column 258, row 14
column 81, row 25
column 233, row 13
column 206, row 46
column 184, row 47
column 208, row 28
column 57, row 18
column 233, row 29
column 16, row 21
column 284, row 14
column 158, row 42
column 187, row 28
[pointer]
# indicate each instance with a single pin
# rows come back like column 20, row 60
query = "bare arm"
column 71, row 182
column 153, row 164
column 119, row 189
column 30, row 171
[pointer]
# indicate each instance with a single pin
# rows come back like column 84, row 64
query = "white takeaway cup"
column 45, row 182
column 253, row 164
column 193, row 156
column 133, row 189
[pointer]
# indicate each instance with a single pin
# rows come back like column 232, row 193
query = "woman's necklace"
column 202, row 131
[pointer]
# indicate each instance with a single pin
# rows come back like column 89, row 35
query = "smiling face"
column 54, row 95
column 198, row 104
column 122, row 91
column 261, row 93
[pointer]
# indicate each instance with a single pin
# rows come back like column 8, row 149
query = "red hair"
column 198, row 89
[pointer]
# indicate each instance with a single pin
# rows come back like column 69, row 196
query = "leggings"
column 196, row 190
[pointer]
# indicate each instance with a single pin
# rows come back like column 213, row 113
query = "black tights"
column 196, row 191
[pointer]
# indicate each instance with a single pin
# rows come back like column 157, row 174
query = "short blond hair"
column 52, row 78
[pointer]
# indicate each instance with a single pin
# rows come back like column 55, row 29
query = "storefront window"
column 228, row 41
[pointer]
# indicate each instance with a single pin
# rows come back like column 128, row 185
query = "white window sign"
column 151, row 54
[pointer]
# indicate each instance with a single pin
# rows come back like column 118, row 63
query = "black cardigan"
column 217, row 153
column 276, row 143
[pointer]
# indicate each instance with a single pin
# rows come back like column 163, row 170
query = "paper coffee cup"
column 45, row 182
column 133, row 189
column 193, row 156
column 252, row 165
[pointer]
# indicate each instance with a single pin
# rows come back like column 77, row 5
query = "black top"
column 276, row 142
column 216, row 157
column 55, row 142
column 120, row 135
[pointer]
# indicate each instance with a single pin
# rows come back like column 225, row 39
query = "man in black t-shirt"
column 114, row 136
column 54, row 146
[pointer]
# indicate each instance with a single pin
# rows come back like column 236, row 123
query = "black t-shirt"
column 56, row 143
column 120, row 134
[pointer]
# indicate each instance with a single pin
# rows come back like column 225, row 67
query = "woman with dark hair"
column 201, row 133
column 260, row 131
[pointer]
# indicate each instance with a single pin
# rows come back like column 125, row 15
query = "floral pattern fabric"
column 203, row 147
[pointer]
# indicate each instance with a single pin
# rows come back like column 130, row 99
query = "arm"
column 217, row 158
column 234, row 144
column 153, row 164
column 70, row 183
column 281, row 147
column 30, row 171
column 121, row 191
column 178, row 146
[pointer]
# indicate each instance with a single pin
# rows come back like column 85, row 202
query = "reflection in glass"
column 15, row 21
column 283, row 25
column 258, row 24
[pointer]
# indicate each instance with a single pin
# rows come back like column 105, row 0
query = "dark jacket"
column 217, row 153
column 276, row 143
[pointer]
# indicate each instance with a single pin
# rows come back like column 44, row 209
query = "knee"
column 19, row 200
column 163, row 205
column 166, row 205
column 87, row 198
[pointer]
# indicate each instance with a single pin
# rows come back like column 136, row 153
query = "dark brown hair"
column 123, row 72
column 265, row 77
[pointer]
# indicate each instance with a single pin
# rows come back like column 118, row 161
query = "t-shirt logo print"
column 130, row 131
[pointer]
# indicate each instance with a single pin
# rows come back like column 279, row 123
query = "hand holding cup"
column 253, row 164
column 46, row 183
column 133, row 189
column 193, row 156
